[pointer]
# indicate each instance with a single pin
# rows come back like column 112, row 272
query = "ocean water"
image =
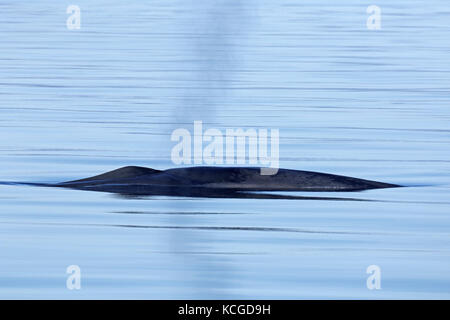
column 372, row 104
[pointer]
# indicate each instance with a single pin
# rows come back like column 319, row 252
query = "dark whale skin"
column 216, row 181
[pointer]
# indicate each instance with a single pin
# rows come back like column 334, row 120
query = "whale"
column 204, row 181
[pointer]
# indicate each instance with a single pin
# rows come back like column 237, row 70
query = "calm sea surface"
column 373, row 104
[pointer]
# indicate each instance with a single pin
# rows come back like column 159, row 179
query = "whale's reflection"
column 220, row 194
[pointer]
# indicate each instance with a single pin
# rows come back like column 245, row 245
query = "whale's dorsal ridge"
column 121, row 173
column 216, row 181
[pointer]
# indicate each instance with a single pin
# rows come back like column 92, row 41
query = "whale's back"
column 128, row 172
column 241, row 178
column 147, row 180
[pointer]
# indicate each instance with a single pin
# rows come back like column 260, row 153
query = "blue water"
column 373, row 104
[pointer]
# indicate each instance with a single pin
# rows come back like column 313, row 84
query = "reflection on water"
column 347, row 100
